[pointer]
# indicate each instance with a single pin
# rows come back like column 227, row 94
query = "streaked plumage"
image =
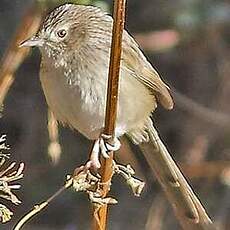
column 75, row 44
column 75, row 84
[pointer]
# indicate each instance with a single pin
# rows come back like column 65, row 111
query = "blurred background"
column 188, row 42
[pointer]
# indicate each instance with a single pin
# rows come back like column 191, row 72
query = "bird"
column 75, row 43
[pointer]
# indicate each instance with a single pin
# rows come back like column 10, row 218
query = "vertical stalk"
column 111, row 106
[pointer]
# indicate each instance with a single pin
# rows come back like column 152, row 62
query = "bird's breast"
column 78, row 98
column 75, row 97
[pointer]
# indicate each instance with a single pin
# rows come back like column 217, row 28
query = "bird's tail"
column 185, row 203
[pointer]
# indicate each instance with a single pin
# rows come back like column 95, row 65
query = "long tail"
column 185, row 203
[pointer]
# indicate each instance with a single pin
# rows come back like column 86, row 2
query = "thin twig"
column 111, row 107
column 40, row 207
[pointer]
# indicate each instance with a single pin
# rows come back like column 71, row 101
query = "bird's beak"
column 33, row 41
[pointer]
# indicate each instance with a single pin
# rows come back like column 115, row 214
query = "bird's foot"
column 103, row 147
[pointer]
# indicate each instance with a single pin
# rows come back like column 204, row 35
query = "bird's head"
column 68, row 29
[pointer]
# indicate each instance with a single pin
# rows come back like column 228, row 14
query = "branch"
column 38, row 208
column 111, row 106
column 15, row 56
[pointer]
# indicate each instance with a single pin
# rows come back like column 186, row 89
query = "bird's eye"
column 62, row 33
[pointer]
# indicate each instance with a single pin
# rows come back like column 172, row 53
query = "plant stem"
column 111, row 106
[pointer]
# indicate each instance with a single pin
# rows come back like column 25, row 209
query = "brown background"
column 196, row 133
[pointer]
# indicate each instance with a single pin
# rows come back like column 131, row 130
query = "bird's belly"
column 83, row 106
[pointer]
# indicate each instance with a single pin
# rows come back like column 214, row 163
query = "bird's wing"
column 136, row 63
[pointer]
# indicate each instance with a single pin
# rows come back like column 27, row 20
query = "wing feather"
column 135, row 62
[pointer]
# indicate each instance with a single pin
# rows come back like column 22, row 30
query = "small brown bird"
column 75, row 43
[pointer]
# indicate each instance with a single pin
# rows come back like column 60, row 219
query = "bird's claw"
column 101, row 146
column 107, row 147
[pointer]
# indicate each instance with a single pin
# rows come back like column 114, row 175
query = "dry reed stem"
column 111, row 107
column 15, row 55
